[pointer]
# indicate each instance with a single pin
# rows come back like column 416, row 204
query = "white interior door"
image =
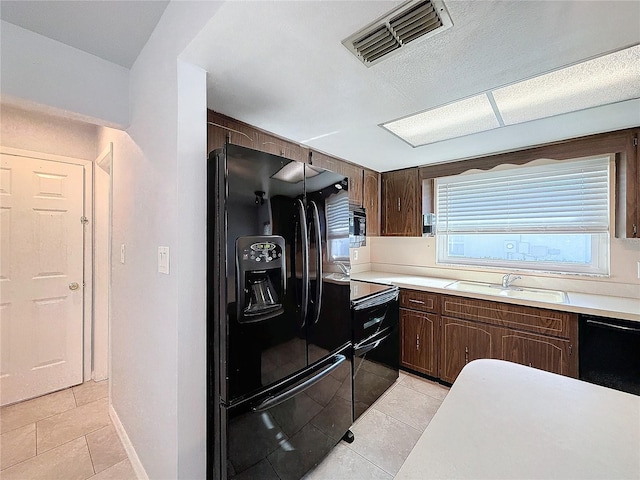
column 41, row 277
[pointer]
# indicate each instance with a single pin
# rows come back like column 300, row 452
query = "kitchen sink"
column 535, row 294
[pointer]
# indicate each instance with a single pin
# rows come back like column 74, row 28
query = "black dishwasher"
column 610, row 352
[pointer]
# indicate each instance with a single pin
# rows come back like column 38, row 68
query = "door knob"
column 74, row 286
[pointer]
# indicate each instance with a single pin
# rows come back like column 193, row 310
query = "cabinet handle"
column 398, row 203
column 417, row 341
column 466, row 355
column 416, row 301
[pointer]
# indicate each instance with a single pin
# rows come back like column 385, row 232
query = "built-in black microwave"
column 357, row 226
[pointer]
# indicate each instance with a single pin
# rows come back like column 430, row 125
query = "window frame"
column 600, row 242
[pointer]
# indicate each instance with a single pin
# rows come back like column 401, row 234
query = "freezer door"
column 285, row 432
column 264, row 269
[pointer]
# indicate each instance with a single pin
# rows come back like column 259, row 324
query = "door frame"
column 101, row 368
column 87, row 254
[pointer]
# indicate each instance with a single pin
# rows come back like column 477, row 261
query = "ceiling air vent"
column 410, row 21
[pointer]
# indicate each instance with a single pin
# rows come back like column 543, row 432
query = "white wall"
column 418, row 256
column 158, row 323
column 39, row 132
column 50, row 73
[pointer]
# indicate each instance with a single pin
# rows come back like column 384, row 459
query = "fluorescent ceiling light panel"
column 294, row 172
column 465, row 117
column 601, row 81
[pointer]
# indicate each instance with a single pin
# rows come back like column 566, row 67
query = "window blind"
column 337, row 213
column 566, row 197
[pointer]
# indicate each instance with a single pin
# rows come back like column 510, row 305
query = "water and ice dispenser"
column 261, row 277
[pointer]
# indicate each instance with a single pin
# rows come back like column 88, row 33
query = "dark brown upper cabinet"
column 401, row 203
column 222, row 129
column 353, row 172
column 371, row 201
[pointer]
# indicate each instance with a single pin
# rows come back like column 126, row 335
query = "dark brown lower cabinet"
column 419, row 341
column 440, row 334
column 461, row 343
column 550, row 354
column 464, row 341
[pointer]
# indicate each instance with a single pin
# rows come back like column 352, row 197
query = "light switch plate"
column 163, row 260
column 123, row 252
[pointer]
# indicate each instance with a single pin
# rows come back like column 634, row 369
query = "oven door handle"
column 372, row 342
column 271, row 402
column 316, row 226
column 613, row 326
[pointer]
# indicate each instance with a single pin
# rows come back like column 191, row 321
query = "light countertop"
column 504, row 420
column 601, row 305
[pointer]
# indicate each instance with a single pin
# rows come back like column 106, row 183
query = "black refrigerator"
column 279, row 341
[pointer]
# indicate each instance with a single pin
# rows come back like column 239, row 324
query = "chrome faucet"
column 508, row 279
column 346, row 270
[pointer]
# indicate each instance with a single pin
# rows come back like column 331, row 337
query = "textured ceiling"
column 113, row 30
column 281, row 66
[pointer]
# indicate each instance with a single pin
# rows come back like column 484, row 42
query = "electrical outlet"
column 123, row 252
column 355, row 254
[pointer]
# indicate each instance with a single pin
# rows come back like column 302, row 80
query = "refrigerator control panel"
column 262, row 252
column 254, row 252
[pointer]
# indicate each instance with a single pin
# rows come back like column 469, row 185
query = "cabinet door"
column 354, row 173
column 278, row 146
column 326, row 161
column 550, row 354
column 371, row 202
column 222, row 128
column 461, row 343
column 419, row 341
column 401, row 203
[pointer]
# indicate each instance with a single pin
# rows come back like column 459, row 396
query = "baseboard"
column 128, row 446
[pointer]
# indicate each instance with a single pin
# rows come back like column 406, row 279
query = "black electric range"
column 376, row 340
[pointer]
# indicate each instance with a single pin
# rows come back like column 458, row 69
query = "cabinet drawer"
column 417, row 300
column 537, row 320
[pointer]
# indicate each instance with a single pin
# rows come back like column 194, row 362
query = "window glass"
column 337, row 217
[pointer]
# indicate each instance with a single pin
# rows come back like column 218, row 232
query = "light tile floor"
column 64, row 435
column 385, row 434
column 69, row 435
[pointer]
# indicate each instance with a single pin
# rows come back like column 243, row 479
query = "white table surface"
column 502, row 420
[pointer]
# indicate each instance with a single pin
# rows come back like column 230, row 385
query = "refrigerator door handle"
column 305, row 260
column 286, row 395
column 316, row 226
